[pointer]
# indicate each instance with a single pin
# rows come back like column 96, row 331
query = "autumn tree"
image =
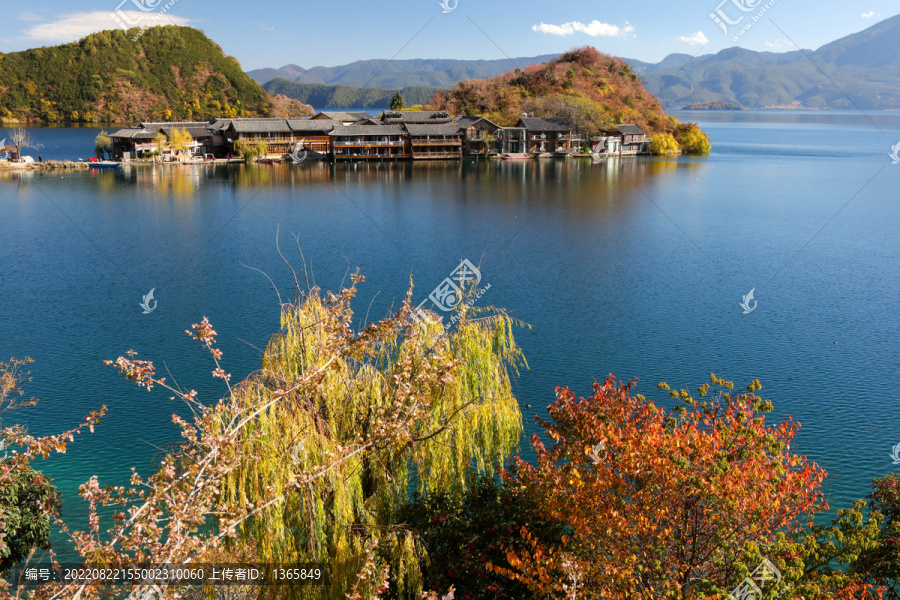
column 663, row 144
column 661, row 503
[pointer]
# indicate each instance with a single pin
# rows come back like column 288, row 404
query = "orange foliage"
column 583, row 85
column 660, row 503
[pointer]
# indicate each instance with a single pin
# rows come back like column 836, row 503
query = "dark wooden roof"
column 630, row 130
column 454, row 128
column 260, row 125
column 545, row 124
column 364, row 130
column 318, row 125
column 415, row 116
column 195, row 132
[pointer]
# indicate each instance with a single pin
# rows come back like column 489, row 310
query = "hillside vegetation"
column 169, row 73
column 594, row 91
column 344, row 96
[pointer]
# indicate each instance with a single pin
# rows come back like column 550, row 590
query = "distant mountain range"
column 865, row 67
column 399, row 74
column 863, row 70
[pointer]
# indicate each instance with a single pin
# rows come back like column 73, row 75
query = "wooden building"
column 139, row 141
column 435, row 141
column 276, row 133
column 369, row 142
column 634, row 139
column 315, row 134
column 549, row 136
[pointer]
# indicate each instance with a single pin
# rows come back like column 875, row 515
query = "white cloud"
column 594, row 29
column 780, row 43
column 695, row 39
column 74, row 26
column 868, row 15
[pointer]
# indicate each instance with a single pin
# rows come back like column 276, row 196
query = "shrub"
column 663, row 144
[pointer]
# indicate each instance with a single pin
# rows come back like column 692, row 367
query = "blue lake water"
column 636, row 268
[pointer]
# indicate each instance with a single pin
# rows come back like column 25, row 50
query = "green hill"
column 323, row 96
column 170, row 72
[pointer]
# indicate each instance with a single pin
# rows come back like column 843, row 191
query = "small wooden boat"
column 106, row 164
column 515, row 157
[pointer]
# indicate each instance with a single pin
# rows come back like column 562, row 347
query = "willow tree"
column 451, row 390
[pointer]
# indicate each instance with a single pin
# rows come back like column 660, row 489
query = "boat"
column 105, row 164
column 515, row 157
column 597, row 159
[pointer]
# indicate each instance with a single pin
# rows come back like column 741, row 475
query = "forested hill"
column 592, row 90
column 168, row 73
column 344, row 96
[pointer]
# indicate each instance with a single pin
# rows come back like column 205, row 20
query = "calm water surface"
column 635, row 268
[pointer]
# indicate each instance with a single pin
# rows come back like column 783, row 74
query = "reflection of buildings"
column 400, row 134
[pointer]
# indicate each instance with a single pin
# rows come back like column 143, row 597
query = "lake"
column 636, row 267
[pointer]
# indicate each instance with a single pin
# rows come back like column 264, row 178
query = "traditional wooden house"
column 549, row 136
column 140, row 140
column 480, row 137
column 275, row 133
column 201, row 136
column 369, row 142
column 435, row 140
column 315, row 135
column 634, row 139
column 133, row 142
column 416, row 117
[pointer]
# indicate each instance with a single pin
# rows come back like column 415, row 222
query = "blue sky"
column 275, row 32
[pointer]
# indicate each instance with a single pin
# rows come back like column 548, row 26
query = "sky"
column 273, row 33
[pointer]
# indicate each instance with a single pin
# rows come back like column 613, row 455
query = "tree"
column 462, row 535
column 691, row 139
column 453, row 392
column 22, row 138
column 161, row 142
column 180, row 140
column 663, row 144
column 397, row 102
column 661, row 503
column 103, row 143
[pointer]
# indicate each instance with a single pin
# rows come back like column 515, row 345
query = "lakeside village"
column 394, row 135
